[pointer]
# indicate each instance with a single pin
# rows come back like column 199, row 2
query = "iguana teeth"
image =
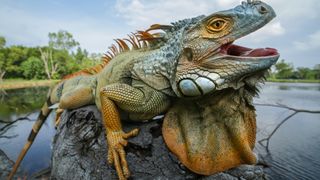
column 205, row 84
column 189, row 88
column 213, row 76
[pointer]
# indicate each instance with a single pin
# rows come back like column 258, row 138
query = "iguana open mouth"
column 231, row 49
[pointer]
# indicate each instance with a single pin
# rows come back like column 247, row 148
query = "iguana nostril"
column 263, row 10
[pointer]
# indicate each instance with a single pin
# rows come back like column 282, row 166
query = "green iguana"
column 189, row 70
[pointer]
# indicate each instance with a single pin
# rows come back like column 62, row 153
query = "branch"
column 12, row 122
column 8, row 137
column 289, row 108
column 2, row 73
column 295, row 111
column 44, row 58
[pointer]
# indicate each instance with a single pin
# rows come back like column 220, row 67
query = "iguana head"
column 210, row 61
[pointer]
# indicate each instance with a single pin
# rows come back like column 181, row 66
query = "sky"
column 295, row 32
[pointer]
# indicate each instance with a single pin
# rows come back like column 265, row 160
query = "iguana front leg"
column 144, row 101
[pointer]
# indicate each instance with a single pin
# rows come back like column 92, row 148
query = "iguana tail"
column 45, row 111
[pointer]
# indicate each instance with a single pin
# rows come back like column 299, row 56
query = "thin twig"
column 12, row 122
column 295, row 111
column 287, row 107
column 8, row 137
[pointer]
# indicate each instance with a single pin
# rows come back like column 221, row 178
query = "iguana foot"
column 116, row 154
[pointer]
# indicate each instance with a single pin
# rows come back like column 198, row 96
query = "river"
column 294, row 148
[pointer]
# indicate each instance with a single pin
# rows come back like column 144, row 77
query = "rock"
column 80, row 152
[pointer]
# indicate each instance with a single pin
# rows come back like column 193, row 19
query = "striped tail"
column 45, row 111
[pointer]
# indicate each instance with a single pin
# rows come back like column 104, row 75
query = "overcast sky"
column 295, row 32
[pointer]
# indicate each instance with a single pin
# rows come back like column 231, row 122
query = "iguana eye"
column 216, row 25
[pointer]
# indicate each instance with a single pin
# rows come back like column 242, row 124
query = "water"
column 26, row 103
column 294, row 148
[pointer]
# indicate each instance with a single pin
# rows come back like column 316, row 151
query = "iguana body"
column 193, row 62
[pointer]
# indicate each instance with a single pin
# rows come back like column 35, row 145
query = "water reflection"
column 22, row 101
column 25, row 103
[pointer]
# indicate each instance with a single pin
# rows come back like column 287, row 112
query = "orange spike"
column 111, row 55
column 112, row 51
column 115, row 49
column 124, row 45
column 145, row 34
column 132, row 40
column 106, row 57
column 119, row 45
column 136, row 40
column 145, row 44
column 129, row 40
column 159, row 26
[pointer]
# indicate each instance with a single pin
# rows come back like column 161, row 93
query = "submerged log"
column 80, row 152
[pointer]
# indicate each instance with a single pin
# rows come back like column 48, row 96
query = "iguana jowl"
column 190, row 70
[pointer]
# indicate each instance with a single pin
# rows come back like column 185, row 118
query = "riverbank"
column 293, row 80
column 22, row 83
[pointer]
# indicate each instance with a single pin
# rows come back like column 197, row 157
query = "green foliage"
column 62, row 40
column 305, row 73
column 283, row 70
column 2, row 42
column 33, row 68
column 316, row 70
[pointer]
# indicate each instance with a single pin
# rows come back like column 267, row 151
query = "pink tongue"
column 261, row 52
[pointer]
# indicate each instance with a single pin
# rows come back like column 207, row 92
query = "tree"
column 284, row 70
column 316, row 70
column 2, row 42
column 305, row 73
column 80, row 55
column 13, row 57
column 61, row 42
column 32, row 68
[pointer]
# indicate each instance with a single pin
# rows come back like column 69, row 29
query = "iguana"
column 189, row 70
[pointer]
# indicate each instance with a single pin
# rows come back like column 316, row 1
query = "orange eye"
column 216, row 25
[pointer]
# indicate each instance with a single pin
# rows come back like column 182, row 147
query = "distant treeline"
column 284, row 70
column 63, row 55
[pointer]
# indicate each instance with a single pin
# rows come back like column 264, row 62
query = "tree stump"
column 80, row 152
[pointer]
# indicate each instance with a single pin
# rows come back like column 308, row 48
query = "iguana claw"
column 116, row 153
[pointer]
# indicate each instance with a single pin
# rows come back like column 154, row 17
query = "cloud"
column 28, row 28
column 142, row 13
column 296, row 9
column 271, row 30
column 228, row 3
column 312, row 42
